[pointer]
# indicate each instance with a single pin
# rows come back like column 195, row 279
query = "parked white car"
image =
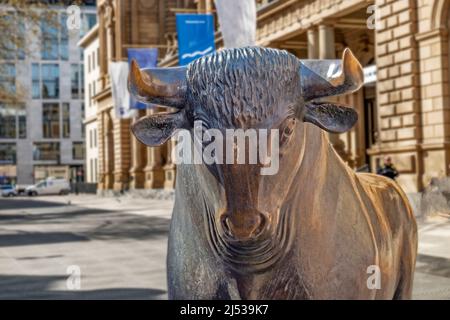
column 49, row 186
column 8, row 190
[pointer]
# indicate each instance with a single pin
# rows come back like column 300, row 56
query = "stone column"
column 109, row 151
column 109, row 25
column 154, row 174
column 137, row 175
column 327, row 50
column 101, row 152
column 313, row 43
column 121, row 154
column 326, row 42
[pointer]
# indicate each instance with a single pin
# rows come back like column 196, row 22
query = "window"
column 95, row 138
column 13, row 121
column 83, row 131
column 12, row 46
column 66, row 120
column 93, row 60
column 46, row 151
column 7, row 121
column 8, row 78
column 49, row 87
column 92, row 169
column 90, row 94
column 50, row 41
column 55, row 38
column 77, row 151
column 8, row 45
column 50, row 81
column 50, row 120
column 91, row 144
column 21, row 40
column 88, row 20
column 41, row 184
column 81, row 81
column 8, row 153
column 64, row 43
column 77, row 81
column 22, row 121
column 35, row 81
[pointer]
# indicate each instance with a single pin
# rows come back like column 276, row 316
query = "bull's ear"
column 155, row 129
column 330, row 116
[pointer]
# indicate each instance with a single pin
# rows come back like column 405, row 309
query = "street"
column 118, row 245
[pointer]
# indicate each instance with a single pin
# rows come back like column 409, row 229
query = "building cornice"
column 104, row 94
column 90, row 119
column 378, row 150
column 89, row 37
column 431, row 34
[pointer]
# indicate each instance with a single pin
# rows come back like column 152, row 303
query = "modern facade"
column 43, row 134
column 403, row 107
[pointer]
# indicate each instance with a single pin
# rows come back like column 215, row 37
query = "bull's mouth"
column 254, row 251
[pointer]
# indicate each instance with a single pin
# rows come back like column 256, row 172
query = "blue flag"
column 195, row 36
column 146, row 58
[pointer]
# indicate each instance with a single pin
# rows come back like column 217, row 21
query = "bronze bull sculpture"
column 311, row 231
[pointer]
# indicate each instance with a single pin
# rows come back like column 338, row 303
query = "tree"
column 20, row 20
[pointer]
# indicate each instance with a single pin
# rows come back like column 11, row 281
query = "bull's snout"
column 243, row 226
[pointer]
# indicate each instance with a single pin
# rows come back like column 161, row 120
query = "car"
column 8, row 190
column 49, row 186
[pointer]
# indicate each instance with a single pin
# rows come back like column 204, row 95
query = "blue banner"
column 195, row 36
column 146, row 58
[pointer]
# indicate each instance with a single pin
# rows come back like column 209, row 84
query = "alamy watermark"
column 374, row 280
column 73, row 17
column 237, row 146
column 73, row 281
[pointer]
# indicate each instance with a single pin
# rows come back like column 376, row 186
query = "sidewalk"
column 432, row 279
column 120, row 246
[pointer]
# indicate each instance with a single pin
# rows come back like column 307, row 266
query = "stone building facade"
column 404, row 112
column 90, row 44
column 124, row 163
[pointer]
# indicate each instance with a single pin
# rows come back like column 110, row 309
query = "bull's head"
column 240, row 89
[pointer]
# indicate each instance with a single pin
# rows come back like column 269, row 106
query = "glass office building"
column 41, row 131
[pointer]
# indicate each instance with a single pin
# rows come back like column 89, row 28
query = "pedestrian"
column 388, row 169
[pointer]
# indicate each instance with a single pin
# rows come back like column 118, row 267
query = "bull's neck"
column 318, row 177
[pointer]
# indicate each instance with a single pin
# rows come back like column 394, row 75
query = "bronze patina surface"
column 312, row 230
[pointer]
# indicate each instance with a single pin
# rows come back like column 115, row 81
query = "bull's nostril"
column 262, row 225
column 225, row 224
column 245, row 227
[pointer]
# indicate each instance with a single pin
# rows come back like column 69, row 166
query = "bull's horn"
column 163, row 86
column 325, row 78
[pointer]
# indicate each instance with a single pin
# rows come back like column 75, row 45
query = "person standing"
column 388, row 169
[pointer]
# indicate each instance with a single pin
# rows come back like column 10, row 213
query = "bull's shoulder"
column 386, row 199
column 376, row 181
column 382, row 186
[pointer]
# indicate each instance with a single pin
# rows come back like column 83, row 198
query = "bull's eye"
column 201, row 131
column 287, row 129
